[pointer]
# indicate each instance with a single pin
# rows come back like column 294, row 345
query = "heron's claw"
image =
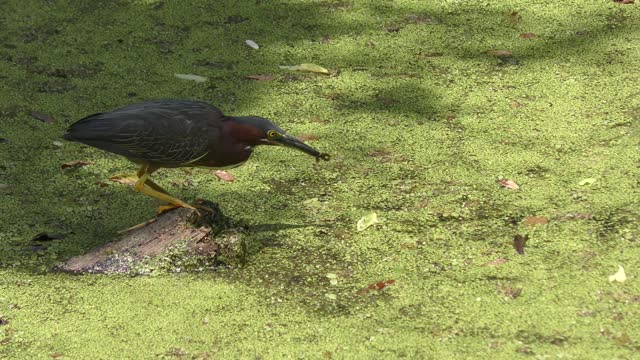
column 164, row 208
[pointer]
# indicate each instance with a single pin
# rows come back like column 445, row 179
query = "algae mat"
column 434, row 112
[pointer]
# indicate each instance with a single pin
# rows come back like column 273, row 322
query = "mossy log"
column 175, row 241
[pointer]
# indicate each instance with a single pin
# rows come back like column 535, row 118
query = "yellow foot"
column 164, row 208
column 135, row 227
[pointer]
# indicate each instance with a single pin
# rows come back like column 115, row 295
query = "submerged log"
column 174, row 241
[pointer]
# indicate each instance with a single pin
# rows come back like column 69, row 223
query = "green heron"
column 175, row 133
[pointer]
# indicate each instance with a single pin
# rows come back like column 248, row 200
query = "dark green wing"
column 164, row 132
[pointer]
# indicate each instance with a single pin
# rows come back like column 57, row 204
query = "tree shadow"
column 132, row 49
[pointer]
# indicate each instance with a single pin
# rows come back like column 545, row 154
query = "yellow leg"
column 150, row 182
column 144, row 185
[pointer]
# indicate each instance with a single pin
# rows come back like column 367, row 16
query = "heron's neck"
column 240, row 131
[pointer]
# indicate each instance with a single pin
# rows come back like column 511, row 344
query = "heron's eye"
column 272, row 133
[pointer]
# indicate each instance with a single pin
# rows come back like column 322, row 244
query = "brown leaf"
column 496, row 262
column 509, row 291
column 387, row 101
column 623, row 1
column 57, row 355
column 509, row 184
column 512, row 17
column 535, row 220
column 261, row 77
column 387, row 156
column 623, row 340
column 380, row 285
column 528, row 35
column 307, row 137
column 124, row 179
column 515, row 104
column 47, row 237
column 331, row 96
column 499, row 53
column 74, row 164
column 45, row 118
column 224, row 176
column 393, row 28
column 525, row 350
column 587, row 313
column 518, row 243
column 419, row 18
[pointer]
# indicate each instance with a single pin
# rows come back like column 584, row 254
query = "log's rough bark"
column 174, row 241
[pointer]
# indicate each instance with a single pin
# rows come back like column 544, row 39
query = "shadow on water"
column 258, row 228
column 94, row 70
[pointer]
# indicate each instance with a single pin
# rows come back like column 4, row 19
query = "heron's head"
column 264, row 132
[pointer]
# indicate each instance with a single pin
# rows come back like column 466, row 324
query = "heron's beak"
column 294, row 143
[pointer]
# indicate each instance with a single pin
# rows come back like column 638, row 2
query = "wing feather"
column 167, row 132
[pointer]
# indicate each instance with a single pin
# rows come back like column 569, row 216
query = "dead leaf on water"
column 252, row 44
column 393, row 28
column 519, row 242
column 333, row 278
column 512, row 17
column 499, row 53
column 307, row 137
column 509, row 291
column 620, row 276
column 509, row 184
column 419, row 19
column 528, row 35
column 47, row 237
column 497, row 262
column 313, row 203
column 261, row 77
column 623, row 340
column 366, row 221
column 587, row 313
column 44, row 117
column 192, row 77
column 126, row 179
column 589, row 181
column 307, row 67
column 75, row 164
column 535, row 220
column 379, row 286
column 224, row 176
